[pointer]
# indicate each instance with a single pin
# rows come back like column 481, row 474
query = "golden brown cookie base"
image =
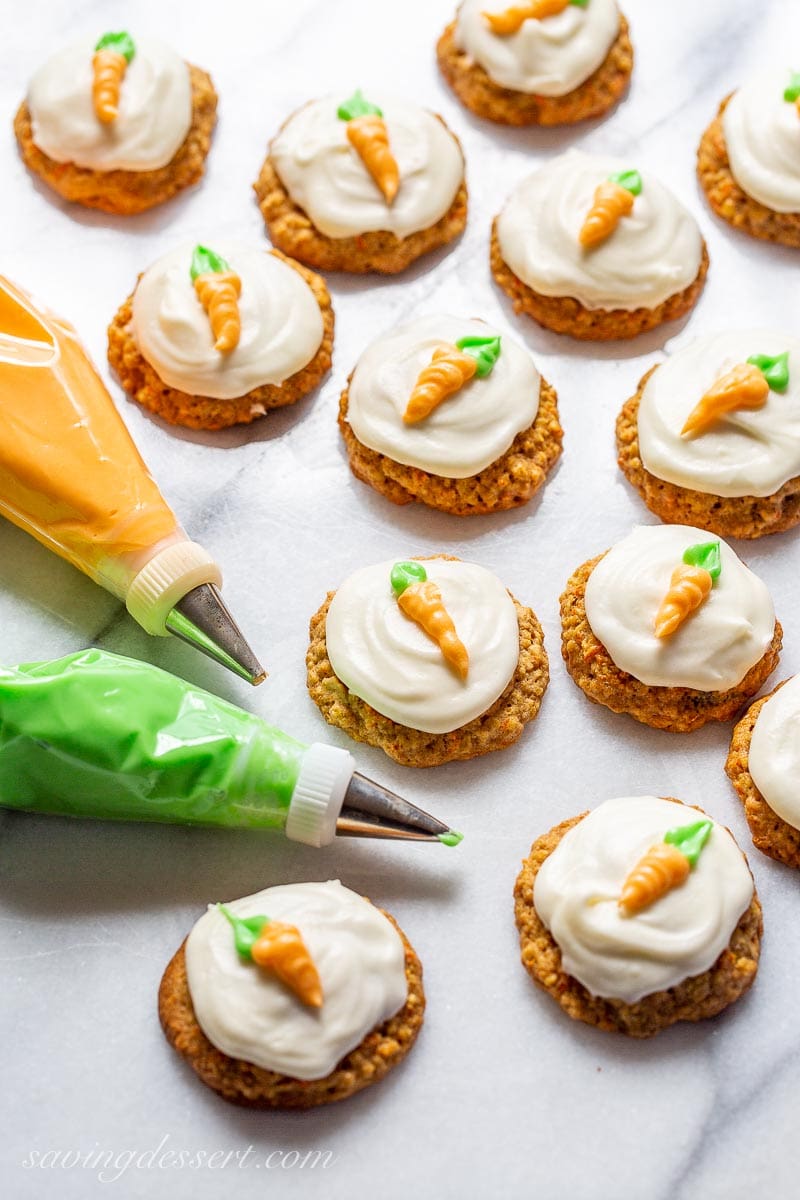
column 510, row 481
column 771, row 834
column 495, row 729
column 143, row 384
column 292, row 231
column 243, row 1083
column 477, row 91
column 694, row 999
column 730, row 201
column 729, row 516
column 563, row 314
column 677, row 709
column 128, row 192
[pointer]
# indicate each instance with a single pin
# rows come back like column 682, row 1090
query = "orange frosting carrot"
column 109, row 70
column 742, row 387
column 219, row 292
column 509, row 21
column 447, row 372
column 280, row 948
column 370, row 138
column 688, row 588
column 660, row 870
column 611, row 202
column 422, row 602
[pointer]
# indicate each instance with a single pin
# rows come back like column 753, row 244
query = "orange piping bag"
column 71, row 476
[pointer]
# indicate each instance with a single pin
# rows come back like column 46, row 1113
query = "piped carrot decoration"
column 218, row 290
column 792, row 92
column 511, row 19
column 689, row 586
column 613, row 200
column 421, row 601
column 447, row 372
column 279, row 948
column 112, row 54
column 369, row 137
column 747, row 385
column 665, row 866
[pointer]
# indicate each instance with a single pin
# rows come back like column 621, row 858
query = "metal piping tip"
column 202, row 619
column 371, row 810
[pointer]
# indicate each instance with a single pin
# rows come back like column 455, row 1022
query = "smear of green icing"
column 451, row 838
column 403, row 574
column 485, row 351
column 630, row 180
column 357, row 106
column 705, row 555
column 122, row 42
column 690, row 839
column 579, row 3
column 205, row 261
column 246, row 930
column 775, row 370
column 792, row 91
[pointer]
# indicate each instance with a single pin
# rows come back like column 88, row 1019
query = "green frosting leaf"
column 690, row 839
column 205, row 261
column 485, row 351
column 775, row 370
column 357, row 106
column 122, row 42
column 404, row 574
column 792, row 92
column 705, row 555
column 630, row 180
column 579, row 3
column 246, row 930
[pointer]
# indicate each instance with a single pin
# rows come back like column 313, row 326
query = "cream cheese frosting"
column 679, row 936
column 548, row 57
column 282, row 325
column 745, row 453
column 386, row 659
column 762, row 136
column 717, row 644
column 774, row 757
column 155, row 109
column 325, row 176
column 470, row 429
column 248, row 1013
column 653, row 253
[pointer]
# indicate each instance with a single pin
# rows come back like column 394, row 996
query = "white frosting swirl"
column 653, row 253
column 762, row 136
column 681, row 935
column 325, row 176
column 470, row 429
column 281, row 324
column 388, row 660
column 745, row 453
column 155, row 109
column 548, row 57
column 774, row 757
column 248, row 1013
column 716, row 645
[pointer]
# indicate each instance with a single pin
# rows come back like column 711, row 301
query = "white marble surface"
column 503, row 1096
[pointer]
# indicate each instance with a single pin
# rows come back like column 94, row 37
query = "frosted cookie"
column 670, row 627
column 117, row 123
column 538, row 62
column 431, row 660
column 362, row 184
column 296, row 996
column 764, row 768
column 748, row 161
column 216, row 337
column 639, row 914
column 452, row 413
column 712, row 436
column 590, row 247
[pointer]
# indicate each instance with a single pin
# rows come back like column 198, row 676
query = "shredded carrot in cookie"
column 509, row 21
column 742, row 387
column 660, row 870
column 280, row 948
column 422, row 602
column 370, row 138
column 688, row 588
column 218, row 292
column 446, row 373
column 611, row 203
